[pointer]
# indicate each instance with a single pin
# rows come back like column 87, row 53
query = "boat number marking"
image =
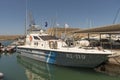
column 75, row 56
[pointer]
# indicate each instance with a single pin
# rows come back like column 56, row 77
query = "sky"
column 75, row 13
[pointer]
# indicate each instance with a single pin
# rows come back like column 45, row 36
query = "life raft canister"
column 51, row 44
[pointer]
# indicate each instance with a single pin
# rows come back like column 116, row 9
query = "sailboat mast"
column 118, row 11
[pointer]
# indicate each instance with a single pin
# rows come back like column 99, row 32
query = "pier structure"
column 109, row 30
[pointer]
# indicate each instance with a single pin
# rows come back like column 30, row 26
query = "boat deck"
column 73, row 50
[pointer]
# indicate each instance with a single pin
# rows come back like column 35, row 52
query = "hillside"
column 68, row 31
column 9, row 37
column 51, row 31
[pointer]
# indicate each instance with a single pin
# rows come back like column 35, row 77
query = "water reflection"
column 6, row 53
column 0, row 55
column 36, row 70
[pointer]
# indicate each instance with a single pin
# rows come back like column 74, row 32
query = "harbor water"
column 17, row 67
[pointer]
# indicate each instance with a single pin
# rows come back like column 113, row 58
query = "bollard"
column 1, row 76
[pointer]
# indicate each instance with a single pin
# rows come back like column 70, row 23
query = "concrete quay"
column 112, row 66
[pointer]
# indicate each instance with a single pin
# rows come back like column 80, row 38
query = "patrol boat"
column 49, row 49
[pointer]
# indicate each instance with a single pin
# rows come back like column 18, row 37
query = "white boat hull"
column 64, row 58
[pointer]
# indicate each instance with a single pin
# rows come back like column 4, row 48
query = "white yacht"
column 49, row 49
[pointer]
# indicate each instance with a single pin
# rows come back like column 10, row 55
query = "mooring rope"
column 116, row 60
column 114, row 56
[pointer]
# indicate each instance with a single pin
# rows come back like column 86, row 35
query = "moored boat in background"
column 2, row 48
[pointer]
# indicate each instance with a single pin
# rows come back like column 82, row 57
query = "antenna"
column 116, row 16
column 26, row 19
column 32, row 21
column 90, row 24
column 54, row 25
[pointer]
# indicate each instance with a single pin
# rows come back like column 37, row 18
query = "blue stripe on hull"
column 51, row 57
column 41, row 55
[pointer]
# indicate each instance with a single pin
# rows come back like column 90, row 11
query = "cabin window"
column 48, row 37
column 36, row 37
column 36, row 43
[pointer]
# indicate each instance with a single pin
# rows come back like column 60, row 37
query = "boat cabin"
column 44, row 41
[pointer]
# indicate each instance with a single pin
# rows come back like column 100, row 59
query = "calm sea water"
column 16, row 67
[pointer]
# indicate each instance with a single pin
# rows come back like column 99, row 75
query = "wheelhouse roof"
column 48, row 37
